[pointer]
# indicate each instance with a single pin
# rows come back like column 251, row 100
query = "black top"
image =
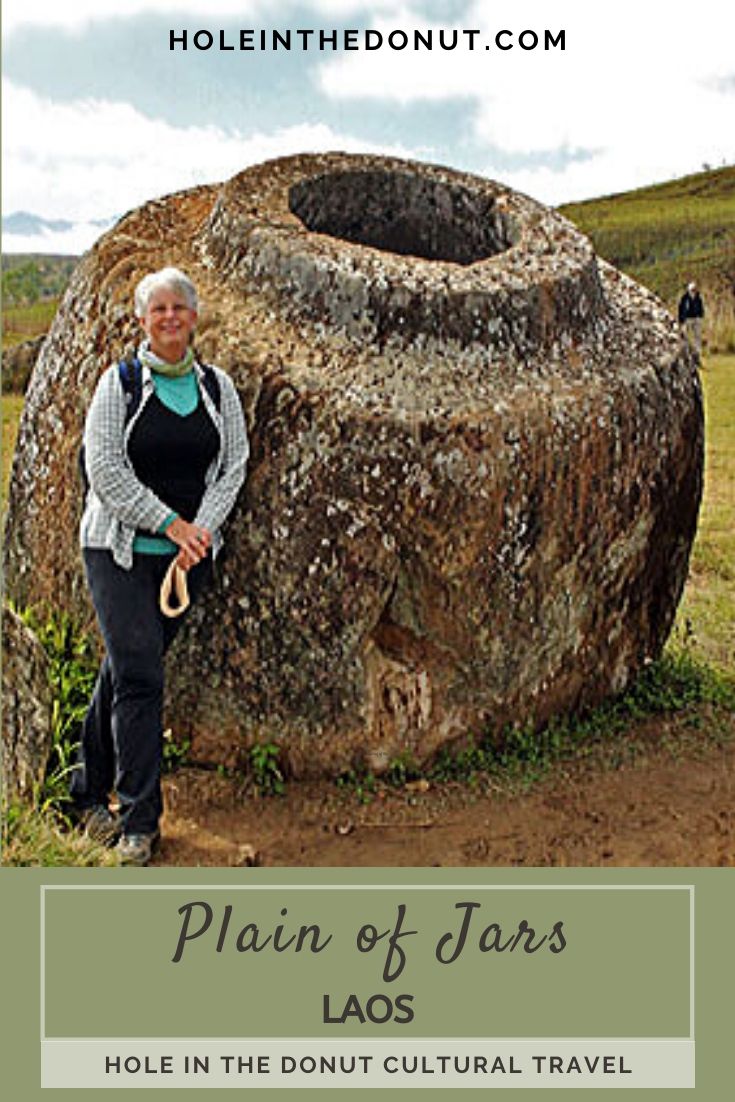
column 171, row 454
column 690, row 306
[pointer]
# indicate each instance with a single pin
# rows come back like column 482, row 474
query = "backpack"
column 131, row 380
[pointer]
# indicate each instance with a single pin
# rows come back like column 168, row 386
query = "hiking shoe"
column 100, row 825
column 136, row 849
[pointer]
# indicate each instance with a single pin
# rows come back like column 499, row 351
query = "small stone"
column 249, row 856
column 421, row 785
column 378, row 761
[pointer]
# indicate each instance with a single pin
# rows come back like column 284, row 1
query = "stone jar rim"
column 541, row 285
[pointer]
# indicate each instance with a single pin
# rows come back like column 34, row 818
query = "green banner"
column 351, row 960
column 372, row 979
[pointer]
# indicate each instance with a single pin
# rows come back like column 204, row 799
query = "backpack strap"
column 130, row 373
column 131, row 380
column 211, row 382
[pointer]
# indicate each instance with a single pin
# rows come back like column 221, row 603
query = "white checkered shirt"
column 117, row 503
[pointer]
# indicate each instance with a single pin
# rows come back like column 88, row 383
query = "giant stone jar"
column 475, row 471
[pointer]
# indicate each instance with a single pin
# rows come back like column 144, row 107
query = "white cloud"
column 71, row 242
column 94, row 159
column 604, row 174
column 646, row 93
column 636, row 84
column 78, row 14
column 406, row 75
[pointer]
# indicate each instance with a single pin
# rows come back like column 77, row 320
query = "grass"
column 72, row 675
column 12, row 408
column 23, row 323
column 265, row 766
column 39, row 833
column 36, row 838
column 32, row 285
column 708, row 608
column 666, row 235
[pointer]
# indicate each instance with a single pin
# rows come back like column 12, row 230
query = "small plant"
column 266, row 769
column 679, row 680
column 461, row 764
column 401, row 770
column 175, row 754
column 33, row 837
column 72, row 675
column 362, row 784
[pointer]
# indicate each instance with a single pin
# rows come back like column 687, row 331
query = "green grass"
column 708, row 607
column 23, row 323
column 39, row 833
column 12, row 408
column 35, row 838
column 32, row 285
column 72, row 674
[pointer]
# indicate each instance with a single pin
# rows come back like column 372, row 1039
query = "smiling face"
column 169, row 324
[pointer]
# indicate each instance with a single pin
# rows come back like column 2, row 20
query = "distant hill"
column 666, row 235
column 35, row 277
column 25, row 233
column 23, row 223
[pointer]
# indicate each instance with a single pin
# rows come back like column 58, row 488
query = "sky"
column 99, row 115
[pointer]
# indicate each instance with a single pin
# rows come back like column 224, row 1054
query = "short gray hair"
column 173, row 280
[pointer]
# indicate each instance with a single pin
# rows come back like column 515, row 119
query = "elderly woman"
column 165, row 449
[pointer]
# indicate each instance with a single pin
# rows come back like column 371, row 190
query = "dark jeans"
column 122, row 737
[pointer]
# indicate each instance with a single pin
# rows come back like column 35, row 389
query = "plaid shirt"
column 118, row 504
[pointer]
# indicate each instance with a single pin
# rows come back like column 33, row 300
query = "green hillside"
column 666, row 235
column 32, row 285
column 28, row 277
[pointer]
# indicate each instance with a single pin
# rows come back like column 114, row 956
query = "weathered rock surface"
column 26, row 709
column 476, row 465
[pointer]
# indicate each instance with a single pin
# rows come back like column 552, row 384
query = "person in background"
column 691, row 314
column 162, row 479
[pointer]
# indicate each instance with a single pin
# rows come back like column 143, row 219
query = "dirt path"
column 658, row 807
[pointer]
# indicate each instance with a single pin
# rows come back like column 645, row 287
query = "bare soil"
column 666, row 796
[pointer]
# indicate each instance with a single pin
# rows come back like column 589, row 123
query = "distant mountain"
column 23, row 223
column 24, row 232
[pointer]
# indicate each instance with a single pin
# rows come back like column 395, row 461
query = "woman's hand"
column 193, row 542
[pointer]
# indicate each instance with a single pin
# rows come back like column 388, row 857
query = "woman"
column 162, row 480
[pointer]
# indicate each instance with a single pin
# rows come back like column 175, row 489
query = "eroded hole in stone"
column 404, row 213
